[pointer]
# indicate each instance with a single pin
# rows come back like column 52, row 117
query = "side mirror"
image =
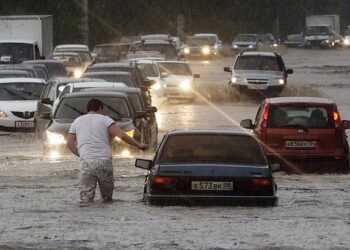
column 196, row 76
column 140, row 114
column 290, row 71
column 152, row 109
column 227, row 69
column 247, row 123
column 346, row 124
column 46, row 116
column 47, row 101
column 143, row 164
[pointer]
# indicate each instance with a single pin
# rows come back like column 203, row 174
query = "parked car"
column 7, row 73
column 302, row 134
column 18, row 102
column 202, row 45
column 178, row 81
column 113, row 76
column 111, row 52
column 55, row 68
column 72, row 61
column 146, row 126
column 71, row 106
column 208, row 166
column 258, row 71
column 48, row 98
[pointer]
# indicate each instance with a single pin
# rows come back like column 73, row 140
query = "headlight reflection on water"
column 55, row 138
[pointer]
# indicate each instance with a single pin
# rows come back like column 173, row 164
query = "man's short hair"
column 94, row 105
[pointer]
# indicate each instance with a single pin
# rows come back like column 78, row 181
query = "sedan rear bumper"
column 211, row 200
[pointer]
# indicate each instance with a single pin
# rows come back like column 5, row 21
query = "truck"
column 323, row 31
column 26, row 37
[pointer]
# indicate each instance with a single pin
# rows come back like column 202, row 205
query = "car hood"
column 62, row 126
column 176, row 79
column 25, row 105
column 217, row 170
column 263, row 74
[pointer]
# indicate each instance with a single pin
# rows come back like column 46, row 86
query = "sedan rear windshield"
column 71, row 108
column 268, row 63
column 20, row 91
column 301, row 116
column 113, row 78
column 224, row 149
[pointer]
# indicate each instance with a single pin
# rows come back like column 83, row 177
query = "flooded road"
column 39, row 196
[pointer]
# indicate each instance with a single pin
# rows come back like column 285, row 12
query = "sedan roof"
column 228, row 131
column 291, row 100
column 95, row 94
column 22, row 79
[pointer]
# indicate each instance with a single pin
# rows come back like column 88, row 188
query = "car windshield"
column 204, row 148
column 246, row 38
column 112, row 78
column 20, row 91
column 148, row 69
column 201, row 41
column 317, row 30
column 72, row 107
column 175, row 69
column 301, row 116
column 68, row 60
column 17, row 51
column 256, row 62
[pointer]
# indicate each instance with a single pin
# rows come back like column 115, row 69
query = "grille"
column 24, row 115
column 257, row 81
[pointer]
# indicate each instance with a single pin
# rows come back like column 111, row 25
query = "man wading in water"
column 90, row 138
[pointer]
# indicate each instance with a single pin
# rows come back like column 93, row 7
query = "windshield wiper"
column 298, row 126
column 74, row 109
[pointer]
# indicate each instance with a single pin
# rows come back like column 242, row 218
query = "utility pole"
column 85, row 21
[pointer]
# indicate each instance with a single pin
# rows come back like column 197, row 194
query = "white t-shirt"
column 92, row 135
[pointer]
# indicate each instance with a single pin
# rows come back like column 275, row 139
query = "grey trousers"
column 93, row 172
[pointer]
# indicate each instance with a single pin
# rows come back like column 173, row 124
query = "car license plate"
column 24, row 124
column 257, row 86
column 212, row 186
column 300, row 144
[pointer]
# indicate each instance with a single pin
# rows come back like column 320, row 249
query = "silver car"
column 258, row 71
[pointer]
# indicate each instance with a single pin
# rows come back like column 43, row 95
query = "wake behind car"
column 18, row 102
column 257, row 71
column 209, row 166
column 71, row 106
column 302, row 134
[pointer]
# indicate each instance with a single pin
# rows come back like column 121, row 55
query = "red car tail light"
column 336, row 118
column 163, row 180
column 262, row 182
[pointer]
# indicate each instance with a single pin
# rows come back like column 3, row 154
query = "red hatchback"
column 302, row 134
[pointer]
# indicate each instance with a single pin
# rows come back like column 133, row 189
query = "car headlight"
column 346, row 42
column 281, row 81
column 55, row 138
column 187, row 51
column 185, row 85
column 235, row 46
column 275, row 45
column 77, row 73
column 156, row 86
column 206, row 50
column 326, row 41
column 3, row 114
column 234, row 79
column 216, row 46
column 131, row 133
column 251, row 46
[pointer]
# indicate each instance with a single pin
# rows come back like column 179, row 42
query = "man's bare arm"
column 115, row 131
column 72, row 144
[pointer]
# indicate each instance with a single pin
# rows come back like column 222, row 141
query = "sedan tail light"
column 163, row 180
column 262, row 182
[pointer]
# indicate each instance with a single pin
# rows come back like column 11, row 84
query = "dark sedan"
column 210, row 166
